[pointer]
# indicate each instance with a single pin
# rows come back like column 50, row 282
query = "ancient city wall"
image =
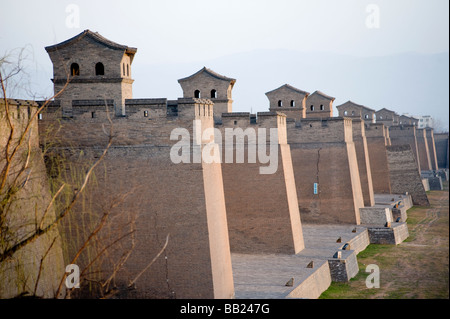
column 404, row 174
column 262, row 209
column 376, row 145
column 323, row 152
column 441, row 144
column 429, row 133
column 362, row 156
column 161, row 197
column 423, row 150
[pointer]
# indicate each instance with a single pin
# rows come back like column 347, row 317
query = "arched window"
column 123, row 69
column 311, row 107
column 366, row 116
column 280, row 103
column 128, row 70
column 321, row 107
column 353, row 112
column 345, row 112
column 292, row 103
column 213, row 94
column 99, row 69
column 75, row 69
column 197, row 94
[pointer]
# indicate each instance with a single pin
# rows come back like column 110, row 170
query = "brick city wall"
column 404, row 174
column 323, row 152
column 184, row 201
column 376, row 145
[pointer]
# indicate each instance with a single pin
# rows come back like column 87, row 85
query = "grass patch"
column 414, row 269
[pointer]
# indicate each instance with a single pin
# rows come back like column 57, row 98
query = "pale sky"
column 188, row 31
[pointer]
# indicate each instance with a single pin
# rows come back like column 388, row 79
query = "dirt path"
column 417, row 268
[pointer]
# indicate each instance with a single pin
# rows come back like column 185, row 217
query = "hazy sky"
column 185, row 31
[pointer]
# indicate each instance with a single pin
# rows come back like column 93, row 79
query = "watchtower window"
column 345, row 112
column 366, row 116
column 292, row 103
column 92, row 114
column 213, row 94
column 280, row 103
column 311, row 107
column 123, row 69
column 197, row 94
column 321, row 107
column 75, row 69
column 353, row 112
column 145, row 113
column 40, row 116
column 99, row 69
column 128, row 70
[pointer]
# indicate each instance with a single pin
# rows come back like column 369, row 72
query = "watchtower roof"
column 324, row 95
column 385, row 109
column 211, row 73
column 356, row 104
column 290, row 87
column 97, row 38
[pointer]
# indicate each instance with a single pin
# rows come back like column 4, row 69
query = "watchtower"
column 319, row 105
column 95, row 68
column 210, row 85
column 289, row 100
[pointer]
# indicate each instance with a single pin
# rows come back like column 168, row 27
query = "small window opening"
column 93, row 114
column 345, row 112
column 197, row 94
column 145, row 113
column 213, row 94
column 292, row 103
column 321, row 107
column 123, row 69
column 40, row 116
column 311, row 107
column 366, row 116
column 353, row 112
column 75, row 69
column 128, row 70
column 235, row 122
column 280, row 103
column 99, row 69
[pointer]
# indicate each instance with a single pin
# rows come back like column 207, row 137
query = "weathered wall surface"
column 404, row 174
column 376, row 145
column 26, row 207
column 164, row 198
column 323, row 152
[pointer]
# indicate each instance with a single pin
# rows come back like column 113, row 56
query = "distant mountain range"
column 412, row 83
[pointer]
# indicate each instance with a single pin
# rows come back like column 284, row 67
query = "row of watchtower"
column 329, row 168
